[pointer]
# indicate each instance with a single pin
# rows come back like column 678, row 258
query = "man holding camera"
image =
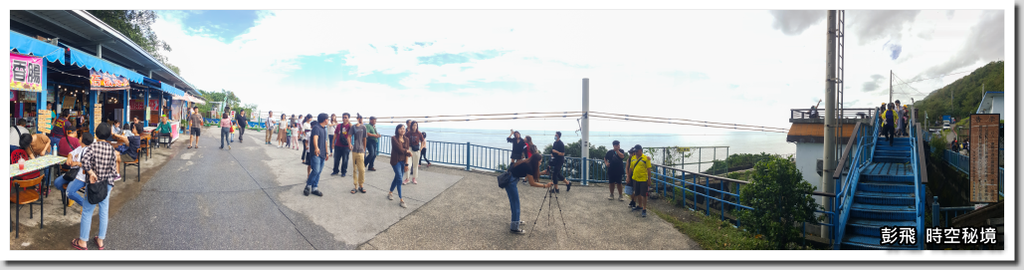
column 639, row 175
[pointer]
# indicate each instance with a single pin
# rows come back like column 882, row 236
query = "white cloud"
column 629, row 56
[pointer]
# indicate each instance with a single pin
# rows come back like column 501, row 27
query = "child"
column 295, row 136
column 288, row 136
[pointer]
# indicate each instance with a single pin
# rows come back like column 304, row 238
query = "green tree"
column 780, row 198
column 135, row 24
column 966, row 94
column 218, row 96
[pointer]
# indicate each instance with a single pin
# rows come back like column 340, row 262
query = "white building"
column 992, row 102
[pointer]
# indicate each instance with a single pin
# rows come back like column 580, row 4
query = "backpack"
column 504, row 179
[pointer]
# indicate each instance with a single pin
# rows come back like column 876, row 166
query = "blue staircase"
column 883, row 190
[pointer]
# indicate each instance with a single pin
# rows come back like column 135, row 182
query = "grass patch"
column 713, row 234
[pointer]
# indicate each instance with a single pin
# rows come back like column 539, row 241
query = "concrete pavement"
column 250, row 197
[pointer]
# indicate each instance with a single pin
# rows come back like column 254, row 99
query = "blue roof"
column 171, row 89
column 27, row 45
column 83, row 59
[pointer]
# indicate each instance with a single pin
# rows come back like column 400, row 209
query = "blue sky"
column 713, row 65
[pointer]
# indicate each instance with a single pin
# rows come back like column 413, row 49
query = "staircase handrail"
column 916, row 159
column 844, row 198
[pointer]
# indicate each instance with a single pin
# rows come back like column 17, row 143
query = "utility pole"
column 890, row 86
column 829, row 165
column 585, row 126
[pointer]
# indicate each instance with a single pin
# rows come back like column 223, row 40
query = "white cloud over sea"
column 738, row 66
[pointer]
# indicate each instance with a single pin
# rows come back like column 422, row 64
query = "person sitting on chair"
column 163, row 132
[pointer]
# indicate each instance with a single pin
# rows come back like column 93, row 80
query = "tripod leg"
column 538, row 215
column 564, row 226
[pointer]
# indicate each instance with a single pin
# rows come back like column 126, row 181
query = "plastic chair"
column 22, row 195
column 144, row 147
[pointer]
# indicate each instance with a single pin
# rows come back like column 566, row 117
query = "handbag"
column 73, row 172
column 96, row 192
column 504, row 179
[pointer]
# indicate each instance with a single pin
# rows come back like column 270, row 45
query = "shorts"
column 614, row 179
column 640, row 188
column 195, row 131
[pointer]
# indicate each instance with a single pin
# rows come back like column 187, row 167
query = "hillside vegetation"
column 966, row 93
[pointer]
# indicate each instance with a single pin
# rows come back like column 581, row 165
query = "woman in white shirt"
column 75, row 161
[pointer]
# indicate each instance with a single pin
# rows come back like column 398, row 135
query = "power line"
column 947, row 75
column 627, row 116
column 692, row 124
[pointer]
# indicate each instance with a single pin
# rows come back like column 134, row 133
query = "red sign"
column 102, row 81
column 135, row 105
column 152, row 104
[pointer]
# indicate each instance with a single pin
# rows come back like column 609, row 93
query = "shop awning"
column 27, row 45
column 171, row 90
column 83, row 59
column 189, row 98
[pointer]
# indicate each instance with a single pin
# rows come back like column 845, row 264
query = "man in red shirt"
column 68, row 143
column 341, row 145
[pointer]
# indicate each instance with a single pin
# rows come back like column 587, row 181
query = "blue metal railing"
column 915, row 161
column 958, row 161
column 865, row 138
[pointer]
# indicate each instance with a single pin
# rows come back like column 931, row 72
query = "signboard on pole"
column 102, row 81
column 97, row 115
column 26, row 73
column 45, row 123
column 984, row 158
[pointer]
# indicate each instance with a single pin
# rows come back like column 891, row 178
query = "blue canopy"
column 83, row 59
column 27, row 45
column 171, row 90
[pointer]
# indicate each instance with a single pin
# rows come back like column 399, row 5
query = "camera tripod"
column 550, row 196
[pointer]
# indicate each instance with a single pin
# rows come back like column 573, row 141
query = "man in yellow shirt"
column 639, row 174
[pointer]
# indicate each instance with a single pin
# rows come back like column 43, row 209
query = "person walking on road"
column 282, row 131
column 358, row 154
column 196, row 121
column 317, row 156
column 269, row 126
column 640, row 172
column 243, row 123
column 225, row 130
column 423, row 151
column 332, row 124
column 415, row 141
column 613, row 162
column 555, row 166
column 99, row 165
column 399, row 152
column 372, row 143
column 341, row 145
column 528, row 168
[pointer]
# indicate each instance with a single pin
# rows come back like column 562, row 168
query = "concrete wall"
column 807, row 155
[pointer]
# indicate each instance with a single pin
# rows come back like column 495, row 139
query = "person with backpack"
column 640, row 175
column 99, row 164
column 17, row 130
column 890, row 120
column 530, row 169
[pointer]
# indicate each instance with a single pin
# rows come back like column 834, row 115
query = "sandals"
column 189, row 147
column 354, row 191
column 76, row 246
column 362, row 190
column 97, row 239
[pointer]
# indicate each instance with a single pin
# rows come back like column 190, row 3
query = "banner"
column 135, row 104
column 106, row 81
column 44, row 121
column 26, row 73
column 984, row 158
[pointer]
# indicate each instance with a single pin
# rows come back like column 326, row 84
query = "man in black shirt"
column 557, row 159
column 243, row 122
column 317, row 155
column 613, row 161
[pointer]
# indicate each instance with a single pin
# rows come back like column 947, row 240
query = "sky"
column 735, row 66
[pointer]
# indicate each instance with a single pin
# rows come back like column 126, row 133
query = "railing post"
column 467, row 155
column 586, row 173
column 935, row 211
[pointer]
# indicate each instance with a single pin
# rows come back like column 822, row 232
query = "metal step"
column 883, row 212
column 869, row 227
column 884, row 198
column 885, row 178
column 889, row 187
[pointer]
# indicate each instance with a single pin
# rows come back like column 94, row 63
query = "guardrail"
column 726, row 195
column 920, row 175
column 863, row 140
column 851, row 113
column 958, row 161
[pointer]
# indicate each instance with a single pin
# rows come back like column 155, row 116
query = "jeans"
column 87, row 210
column 341, row 155
column 224, row 136
column 74, row 186
column 371, row 151
column 241, row 131
column 316, row 164
column 513, row 201
column 330, row 140
column 397, row 181
column 358, row 169
column 232, row 135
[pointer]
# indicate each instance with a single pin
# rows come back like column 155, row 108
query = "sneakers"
column 317, row 192
column 390, row 197
column 636, row 209
column 305, row 191
column 414, row 181
column 568, row 186
column 333, row 174
column 517, row 231
column 403, row 204
column 229, row 147
column 621, row 199
column 611, row 197
column 405, row 182
column 632, row 204
column 644, row 213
